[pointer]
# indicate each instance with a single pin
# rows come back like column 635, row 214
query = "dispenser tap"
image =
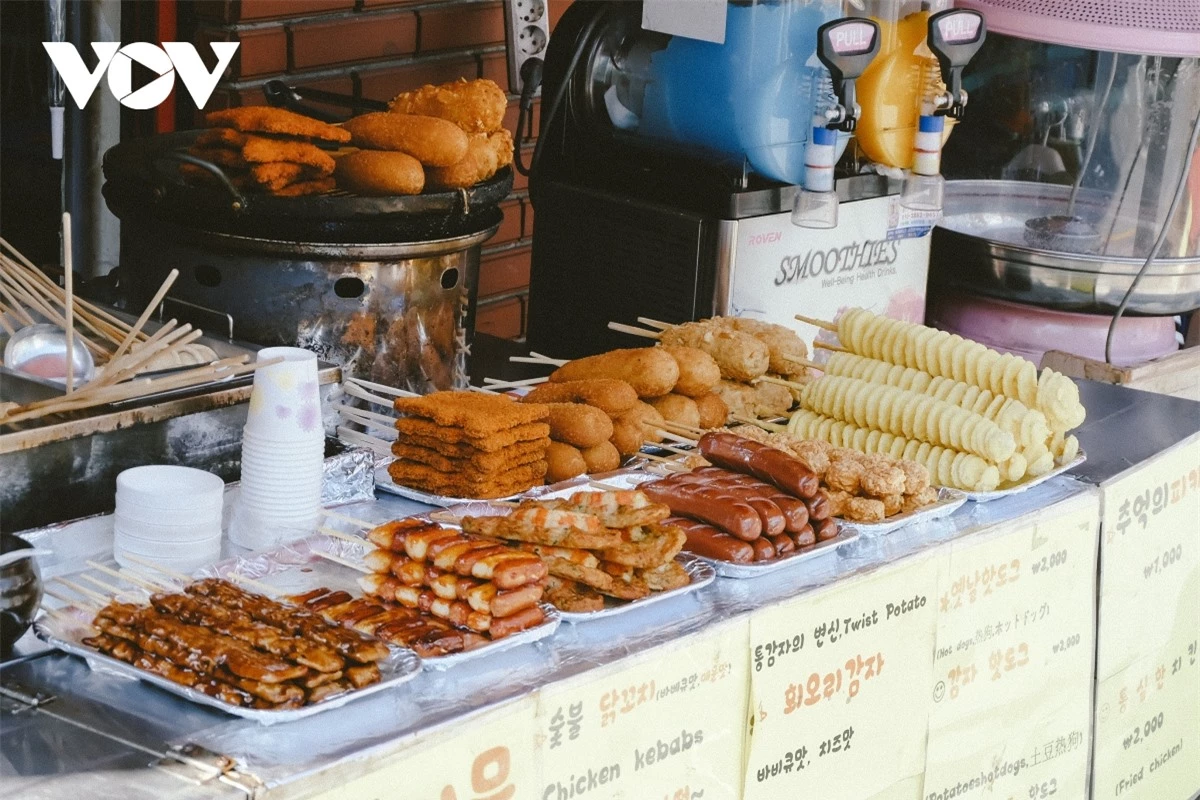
column 955, row 36
column 846, row 47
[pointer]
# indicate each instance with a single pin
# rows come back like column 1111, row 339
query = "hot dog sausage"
column 705, row 540
column 819, row 507
column 516, row 622
column 703, row 503
column 807, row 537
column 795, row 512
column 505, row 604
column 773, row 522
column 826, row 529
column 785, row 471
column 763, row 549
column 783, row 544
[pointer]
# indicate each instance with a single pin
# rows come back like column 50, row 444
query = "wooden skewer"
column 674, row 437
column 444, row 516
column 348, row 537
column 678, row 450
column 179, row 576
column 379, row 387
column 826, row 346
column 622, row 328
column 361, row 523
column 493, row 383
column 377, row 446
column 4, row 311
column 607, row 487
column 820, row 323
column 108, row 587
column 71, row 601
column 680, row 427
column 482, row 390
column 380, row 418
column 780, row 382
column 350, row 416
column 537, row 359
column 766, row 426
column 667, row 463
column 69, row 288
column 125, row 367
column 24, row 292
column 655, row 323
column 147, row 582
column 141, row 321
column 95, row 597
column 259, row 586
column 127, row 578
column 354, row 390
column 343, row 561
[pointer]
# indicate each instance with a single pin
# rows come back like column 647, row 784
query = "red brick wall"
column 381, row 48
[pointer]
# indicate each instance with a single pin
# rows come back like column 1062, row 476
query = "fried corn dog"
column 740, row 356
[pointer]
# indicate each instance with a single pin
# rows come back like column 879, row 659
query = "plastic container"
column 169, row 488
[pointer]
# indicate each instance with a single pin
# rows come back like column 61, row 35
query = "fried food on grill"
column 428, row 479
column 266, row 119
column 486, row 154
column 479, row 461
column 651, row 371
column 220, row 137
column 229, row 158
column 280, row 174
column 572, row 596
column 476, row 106
column 613, row 397
column 475, row 414
column 261, row 150
column 301, row 188
column 380, row 173
column 432, row 141
column 698, row 371
column 563, row 462
column 426, row 432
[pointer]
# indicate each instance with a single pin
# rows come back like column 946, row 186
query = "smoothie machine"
column 791, row 167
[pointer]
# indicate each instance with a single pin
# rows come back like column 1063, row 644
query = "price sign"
column 1147, row 697
column 1011, row 690
column 836, row 686
column 666, row 725
column 481, row 759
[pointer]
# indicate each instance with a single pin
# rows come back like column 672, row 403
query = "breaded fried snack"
column 433, row 141
column 265, row 119
column 377, row 173
column 261, row 150
column 476, row 106
column 477, row 415
column 486, row 154
column 429, row 434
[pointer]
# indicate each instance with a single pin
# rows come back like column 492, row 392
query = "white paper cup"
column 306, row 447
column 182, row 534
column 256, row 530
column 285, row 402
column 170, row 488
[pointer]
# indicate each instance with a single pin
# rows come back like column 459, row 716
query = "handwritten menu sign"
column 1148, row 669
column 837, row 678
column 484, row 758
column 667, row 725
column 1011, row 690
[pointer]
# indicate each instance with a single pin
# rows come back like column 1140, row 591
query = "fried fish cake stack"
column 268, row 150
column 475, row 584
column 596, row 545
column 464, row 444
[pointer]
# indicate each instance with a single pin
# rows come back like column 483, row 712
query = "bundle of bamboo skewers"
column 123, row 351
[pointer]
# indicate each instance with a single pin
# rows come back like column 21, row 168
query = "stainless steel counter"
column 43, row 756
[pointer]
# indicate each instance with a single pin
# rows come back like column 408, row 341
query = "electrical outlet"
column 527, row 28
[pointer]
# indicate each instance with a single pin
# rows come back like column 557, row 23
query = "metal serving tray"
column 947, row 503
column 998, row 494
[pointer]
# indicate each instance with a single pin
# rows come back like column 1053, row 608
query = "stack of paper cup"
column 283, row 450
column 168, row 515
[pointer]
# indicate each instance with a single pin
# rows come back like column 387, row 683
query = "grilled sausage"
column 826, row 529
column 762, row 461
column 705, row 540
column 709, row 505
column 764, row 550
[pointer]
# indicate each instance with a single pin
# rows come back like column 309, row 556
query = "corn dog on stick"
column 950, row 356
column 947, row 467
column 909, row 414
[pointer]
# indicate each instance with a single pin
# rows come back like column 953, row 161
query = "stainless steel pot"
column 978, row 246
column 20, row 594
column 396, row 313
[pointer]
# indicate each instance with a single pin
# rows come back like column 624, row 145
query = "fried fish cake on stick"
column 740, row 356
column 545, row 526
column 487, row 154
column 433, row 141
column 613, row 397
column 626, row 508
column 379, row 173
column 267, row 119
column 651, row 371
column 476, row 106
column 643, row 420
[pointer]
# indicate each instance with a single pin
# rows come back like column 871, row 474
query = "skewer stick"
column 444, row 516
column 537, row 359
column 348, row 537
column 674, row 437
column 678, row 450
column 655, row 323
column 666, row 463
column 4, row 311
column 361, row 523
column 153, row 304
column 145, row 562
column 377, row 446
column 69, row 288
column 820, row 323
column 343, row 561
column 826, row 346
column 71, row 601
column 127, row 578
column 354, row 390
column 607, row 487
column 258, row 586
column 621, row 328
column 482, row 390
column 379, row 387
column 108, row 587
column 493, row 383
column 148, row 582
column 780, row 382
column 95, row 597
column 679, row 426
column 350, row 416
column 758, row 423
column 383, row 419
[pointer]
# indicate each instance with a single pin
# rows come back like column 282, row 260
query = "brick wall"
column 377, row 49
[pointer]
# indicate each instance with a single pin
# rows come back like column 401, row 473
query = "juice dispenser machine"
column 676, row 178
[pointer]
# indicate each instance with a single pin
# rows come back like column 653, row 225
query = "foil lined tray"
column 66, row 629
column 384, row 483
column 700, row 571
column 949, row 500
column 755, row 569
column 999, row 494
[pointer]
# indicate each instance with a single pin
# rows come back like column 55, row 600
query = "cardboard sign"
column 1011, row 695
column 666, row 725
column 837, row 686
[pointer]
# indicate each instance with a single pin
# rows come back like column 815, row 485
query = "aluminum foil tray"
column 727, row 569
column 701, row 572
column 65, row 630
column 947, row 503
column 999, row 494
